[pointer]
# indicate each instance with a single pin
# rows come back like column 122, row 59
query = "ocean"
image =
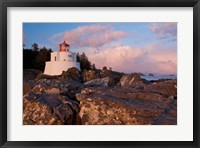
column 157, row 77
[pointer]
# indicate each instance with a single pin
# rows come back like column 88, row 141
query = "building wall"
column 53, row 55
column 66, row 56
column 63, row 56
column 57, row 67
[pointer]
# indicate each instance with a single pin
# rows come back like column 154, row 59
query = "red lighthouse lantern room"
column 64, row 47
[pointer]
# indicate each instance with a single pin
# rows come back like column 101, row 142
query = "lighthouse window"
column 55, row 58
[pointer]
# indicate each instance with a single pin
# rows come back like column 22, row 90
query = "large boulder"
column 123, row 105
column 64, row 99
column 166, row 88
column 48, row 109
column 131, row 80
column 28, row 86
column 57, row 86
column 116, row 76
column 107, row 81
column 50, row 100
column 88, row 75
column 48, row 89
column 71, row 74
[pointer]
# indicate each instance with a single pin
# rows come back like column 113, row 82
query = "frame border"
column 98, row 3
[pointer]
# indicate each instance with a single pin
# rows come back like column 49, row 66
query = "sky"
column 149, row 47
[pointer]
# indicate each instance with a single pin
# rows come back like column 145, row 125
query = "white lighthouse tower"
column 61, row 61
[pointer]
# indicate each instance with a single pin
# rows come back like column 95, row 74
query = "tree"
column 35, row 47
column 28, row 57
column 93, row 66
column 34, row 58
column 85, row 64
column 42, row 56
column 104, row 68
column 78, row 57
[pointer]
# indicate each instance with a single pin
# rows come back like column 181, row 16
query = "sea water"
column 157, row 77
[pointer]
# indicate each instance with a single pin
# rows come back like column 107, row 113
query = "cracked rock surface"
column 153, row 104
column 100, row 97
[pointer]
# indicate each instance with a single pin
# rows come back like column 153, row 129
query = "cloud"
column 165, row 30
column 98, row 42
column 149, row 59
column 90, row 36
column 114, row 55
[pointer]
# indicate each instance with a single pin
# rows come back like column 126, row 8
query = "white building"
column 61, row 61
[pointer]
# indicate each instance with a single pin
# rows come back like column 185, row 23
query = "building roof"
column 64, row 43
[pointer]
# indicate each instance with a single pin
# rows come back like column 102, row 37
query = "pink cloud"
column 130, row 59
column 165, row 30
column 90, row 36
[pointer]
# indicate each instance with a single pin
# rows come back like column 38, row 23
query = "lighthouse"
column 61, row 61
column 64, row 47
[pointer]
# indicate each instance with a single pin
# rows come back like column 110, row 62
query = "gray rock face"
column 26, row 88
column 88, row 75
column 106, row 98
column 116, row 76
column 71, row 74
column 166, row 88
column 107, row 81
column 48, row 109
column 56, row 86
column 51, row 99
column 130, row 80
column 123, row 105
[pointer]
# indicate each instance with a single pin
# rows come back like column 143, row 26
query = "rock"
column 123, row 105
column 116, row 76
column 107, row 81
column 44, row 88
column 131, row 80
column 51, row 99
column 71, row 74
column 88, row 75
column 166, row 88
column 141, row 74
column 30, row 74
column 105, row 97
column 57, row 86
column 67, row 84
column 26, row 88
column 44, row 76
column 46, row 109
column 105, row 72
column 150, row 74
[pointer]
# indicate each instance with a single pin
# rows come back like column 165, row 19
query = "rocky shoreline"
column 97, row 97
